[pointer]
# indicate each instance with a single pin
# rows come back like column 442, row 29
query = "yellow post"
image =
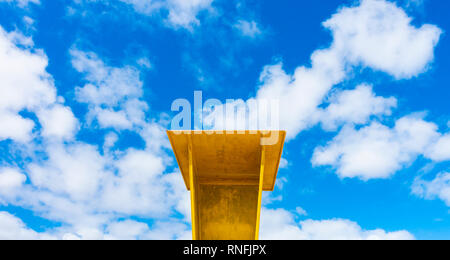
column 192, row 184
column 226, row 174
column 261, row 181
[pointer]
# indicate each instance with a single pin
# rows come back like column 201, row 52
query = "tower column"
column 226, row 175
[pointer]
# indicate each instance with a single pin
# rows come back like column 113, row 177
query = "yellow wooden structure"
column 226, row 174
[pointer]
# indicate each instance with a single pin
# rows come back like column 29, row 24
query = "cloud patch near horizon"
column 279, row 224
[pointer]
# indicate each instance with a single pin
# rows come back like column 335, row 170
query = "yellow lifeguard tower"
column 226, row 174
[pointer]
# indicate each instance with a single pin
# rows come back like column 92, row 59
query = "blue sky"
column 86, row 95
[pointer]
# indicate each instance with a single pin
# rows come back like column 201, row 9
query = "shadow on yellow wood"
column 226, row 174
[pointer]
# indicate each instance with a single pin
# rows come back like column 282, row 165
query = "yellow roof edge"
column 186, row 182
column 224, row 130
column 189, row 132
column 279, row 159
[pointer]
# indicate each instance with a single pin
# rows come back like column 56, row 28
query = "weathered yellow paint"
column 227, row 212
column 226, row 174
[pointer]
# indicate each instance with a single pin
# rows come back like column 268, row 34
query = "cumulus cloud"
column 248, row 28
column 72, row 182
column 12, row 227
column 138, row 188
column 88, row 191
column 378, row 34
column 354, row 106
column 10, row 179
column 58, row 121
column 377, row 151
column 127, row 230
column 440, row 150
column 438, row 188
column 21, row 89
column 300, row 211
column 144, row 6
column 375, row 34
column 281, row 224
column 29, row 90
column 74, row 170
column 21, row 3
column 181, row 13
column 114, row 98
column 15, row 127
column 113, row 95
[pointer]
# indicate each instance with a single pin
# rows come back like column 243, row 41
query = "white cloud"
column 15, row 127
column 87, row 191
column 21, row 89
column 13, row 228
column 300, row 211
column 375, row 34
column 144, row 6
column 112, row 94
column 355, row 106
column 138, row 188
column 275, row 224
column 181, row 13
column 179, row 195
column 107, row 85
column 10, row 179
column 280, row 224
column 300, row 94
column 110, row 118
column 102, row 183
column 248, row 28
column 29, row 90
column 58, row 121
column 376, row 151
column 75, row 170
column 439, row 188
column 21, row 3
column 72, row 182
column 378, row 34
column 114, row 98
column 284, row 163
column 440, row 150
column 144, row 63
column 134, row 230
column 166, row 230
column 110, row 140
column 28, row 21
column 126, row 230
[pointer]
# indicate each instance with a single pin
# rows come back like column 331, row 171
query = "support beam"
column 193, row 185
column 261, row 181
column 226, row 175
